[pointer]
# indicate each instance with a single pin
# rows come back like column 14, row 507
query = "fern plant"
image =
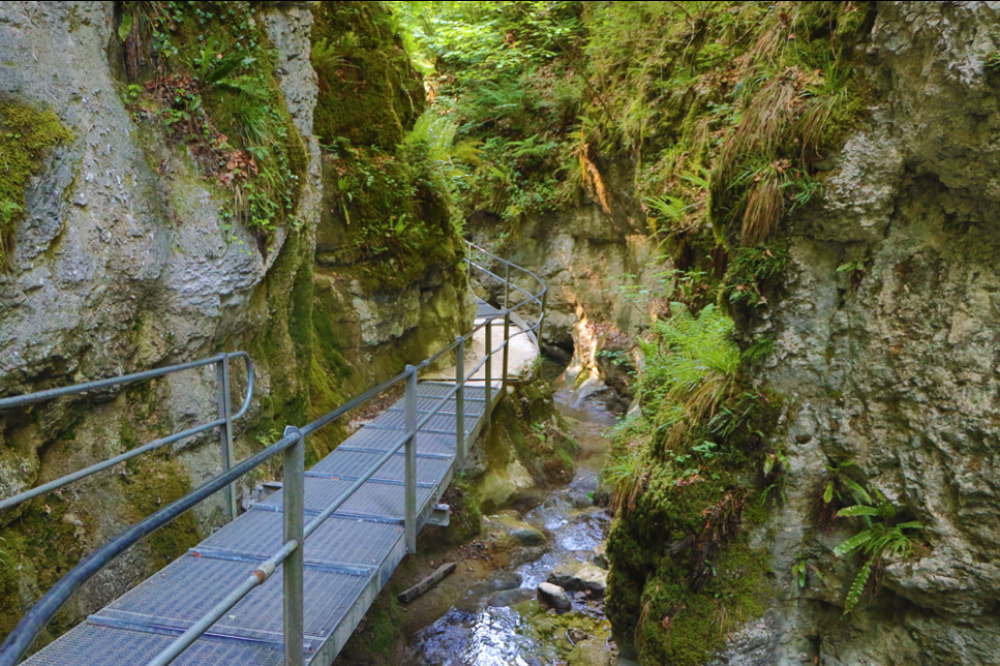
column 626, row 476
column 880, row 538
column 691, row 367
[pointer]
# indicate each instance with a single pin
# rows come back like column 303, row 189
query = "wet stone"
column 528, row 537
column 590, row 653
column 506, row 598
column 554, row 596
column 588, row 578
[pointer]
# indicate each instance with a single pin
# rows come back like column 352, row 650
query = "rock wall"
column 595, row 265
column 896, row 369
column 891, row 367
column 126, row 259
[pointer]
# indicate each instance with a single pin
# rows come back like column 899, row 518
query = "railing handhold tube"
column 506, row 292
column 226, row 431
column 293, row 507
column 460, row 403
column 411, row 460
column 541, row 317
column 15, row 500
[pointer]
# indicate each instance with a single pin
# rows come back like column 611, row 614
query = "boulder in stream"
column 554, row 596
column 587, row 578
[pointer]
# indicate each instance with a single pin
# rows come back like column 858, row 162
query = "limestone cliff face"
column 894, row 368
column 125, row 259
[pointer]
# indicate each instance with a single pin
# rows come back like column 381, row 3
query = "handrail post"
column 411, row 460
column 226, row 431
column 293, row 507
column 460, row 403
column 541, row 318
column 506, row 295
column 489, row 369
column 506, row 351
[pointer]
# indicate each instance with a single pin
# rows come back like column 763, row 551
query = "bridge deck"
column 348, row 559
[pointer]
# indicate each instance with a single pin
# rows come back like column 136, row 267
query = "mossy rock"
column 25, row 136
column 369, row 92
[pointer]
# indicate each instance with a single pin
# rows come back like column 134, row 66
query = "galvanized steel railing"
column 224, row 422
column 292, row 446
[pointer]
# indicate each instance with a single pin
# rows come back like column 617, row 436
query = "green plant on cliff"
column 215, row 89
column 389, row 172
column 685, row 473
column 26, row 135
column 882, row 537
column 504, row 79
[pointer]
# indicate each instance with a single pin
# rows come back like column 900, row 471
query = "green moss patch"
column 686, row 478
column 26, row 135
column 394, row 218
column 152, row 483
column 370, row 94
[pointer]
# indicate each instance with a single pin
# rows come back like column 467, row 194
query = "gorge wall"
column 127, row 248
column 886, row 368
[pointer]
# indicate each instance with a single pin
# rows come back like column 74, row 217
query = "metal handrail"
column 225, row 422
column 293, row 447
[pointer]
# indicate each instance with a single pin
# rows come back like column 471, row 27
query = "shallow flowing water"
column 491, row 628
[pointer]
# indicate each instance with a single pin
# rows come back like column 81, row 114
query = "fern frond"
column 858, row 587
column 858, row 510
column 852, row 544
column 860, row 493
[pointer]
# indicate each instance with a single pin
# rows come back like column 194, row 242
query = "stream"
column 500, row 622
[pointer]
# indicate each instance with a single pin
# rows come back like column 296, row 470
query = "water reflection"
column 489, row 637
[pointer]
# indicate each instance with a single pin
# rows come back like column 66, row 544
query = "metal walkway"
column 347, row 560
column 360, row 526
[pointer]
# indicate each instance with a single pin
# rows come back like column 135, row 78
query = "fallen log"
column 427, row 583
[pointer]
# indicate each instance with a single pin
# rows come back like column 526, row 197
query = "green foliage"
column 507, row 85
column 26, row 135
column 691, row 367
column 391, row 171
column 752, row 270
column 217, row 92
column 801, row 570
column 992, row 62
column 882, row 537
column 625, row 475
column 686, row 474
column 369, row 94
column 394, row 210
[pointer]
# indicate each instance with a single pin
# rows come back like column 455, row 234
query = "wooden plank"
column 427, row 583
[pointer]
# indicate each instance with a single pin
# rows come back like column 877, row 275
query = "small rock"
column 528, row 537
column 577, row 635
column 507, row 598
column 600, row 557
column 554, row 597
column 586, row 578
column 507, row 580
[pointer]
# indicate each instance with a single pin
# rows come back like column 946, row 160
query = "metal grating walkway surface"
column 348, row 559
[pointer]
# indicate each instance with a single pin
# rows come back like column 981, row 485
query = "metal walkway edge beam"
column 289, row 581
